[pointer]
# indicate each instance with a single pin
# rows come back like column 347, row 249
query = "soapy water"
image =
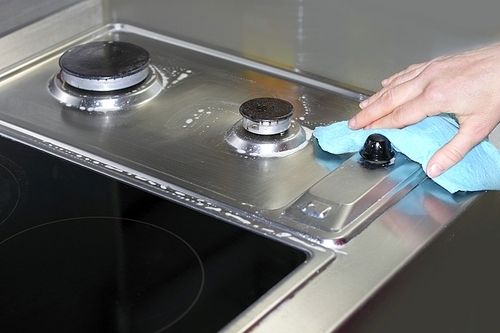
column 305, row 107
column 208, row 116
column 172, row 76
column 204, row 112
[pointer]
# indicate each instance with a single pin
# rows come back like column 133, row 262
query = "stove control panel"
column 344, row 202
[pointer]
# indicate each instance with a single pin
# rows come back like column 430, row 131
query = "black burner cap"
column 107, row 65
column 266, row 109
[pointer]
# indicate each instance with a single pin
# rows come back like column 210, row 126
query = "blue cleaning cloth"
column 478, row 170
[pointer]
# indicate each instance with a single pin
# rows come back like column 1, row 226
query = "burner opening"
column 266, row 116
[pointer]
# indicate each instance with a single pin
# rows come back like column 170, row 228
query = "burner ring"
column 93, row 101
column 277, row 145
column 104, row 66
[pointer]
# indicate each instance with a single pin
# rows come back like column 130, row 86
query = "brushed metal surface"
column 295, row 36
column 371, row 260
column 180, row 135
column 342, row 204
column 357, row 42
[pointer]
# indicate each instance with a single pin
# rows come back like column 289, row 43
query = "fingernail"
column 435, row 170
column 384, row 82
column 351, row 123
column 363, row 103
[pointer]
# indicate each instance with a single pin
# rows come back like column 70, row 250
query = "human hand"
column 465, row 84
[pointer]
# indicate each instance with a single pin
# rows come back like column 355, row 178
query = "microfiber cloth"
column 478, row 170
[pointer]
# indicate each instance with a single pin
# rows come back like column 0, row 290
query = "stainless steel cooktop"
column 180, row 133
column 180, row 119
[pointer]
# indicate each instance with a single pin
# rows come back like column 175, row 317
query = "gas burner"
column 104, row 66
column 105, row 76
column 266, row 116
column 267, row 129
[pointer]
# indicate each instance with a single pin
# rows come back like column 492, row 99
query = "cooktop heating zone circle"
column 118, row 272
column 10, row 192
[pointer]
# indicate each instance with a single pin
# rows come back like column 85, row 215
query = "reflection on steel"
column 277, row 145
column 106, row 101
column 343, row 203
column 175, row 145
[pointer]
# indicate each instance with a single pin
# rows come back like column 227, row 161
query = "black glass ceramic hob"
column 81, row 252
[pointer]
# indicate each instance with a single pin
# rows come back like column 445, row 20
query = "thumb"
column 451, row 153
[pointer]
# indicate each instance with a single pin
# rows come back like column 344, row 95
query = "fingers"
column 451, row 153
column 405, row 75
column 395, row 92
column 385, row 102
column 406, row 114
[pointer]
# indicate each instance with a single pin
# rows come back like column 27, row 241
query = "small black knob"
column 377, row 150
